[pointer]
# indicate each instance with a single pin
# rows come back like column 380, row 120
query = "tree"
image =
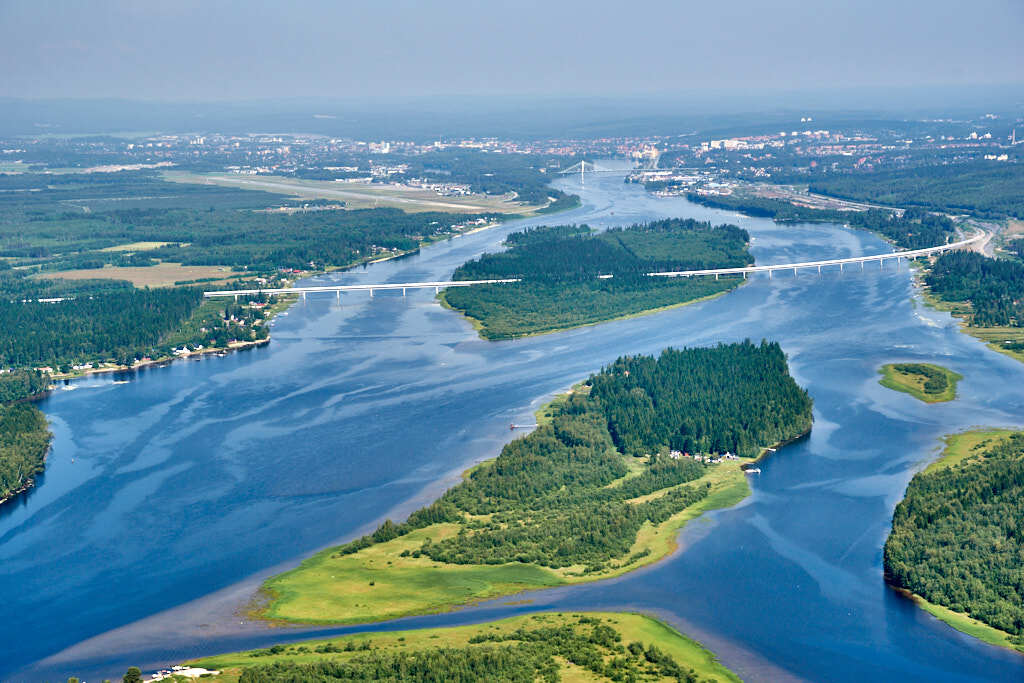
column 132, row 675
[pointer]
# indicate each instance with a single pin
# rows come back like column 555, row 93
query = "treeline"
column 112, row 321
column 525, row 655
column 958, row 537
column 915, row 229
column 572, row 277
column 16, row 385
column 560, row 496
column 994, row 287
column 116, row 323
column 24, row 440
column 989, row 190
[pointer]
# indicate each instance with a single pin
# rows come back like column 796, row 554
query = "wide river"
column 167, row 498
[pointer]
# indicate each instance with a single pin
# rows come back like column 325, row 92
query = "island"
column 600, row 488
column 958, row 536
column 571, row 276
column 580, row 646
column 924, row 381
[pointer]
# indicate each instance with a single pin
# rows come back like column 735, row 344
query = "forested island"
column 24, row 434
column 958, row 537
column 598, row 489
column 924, row 381
column 590, row 646
column 572, row 276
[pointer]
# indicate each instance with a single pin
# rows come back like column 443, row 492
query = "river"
column 182, row 488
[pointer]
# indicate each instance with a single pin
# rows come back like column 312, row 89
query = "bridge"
column 716, row 272
column 841, row 262
column 584, row 167
column 303, row 291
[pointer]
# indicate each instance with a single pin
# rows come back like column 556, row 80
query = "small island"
column 587, row 646
column 600, row 488
column 571, row 276
column 924, row 381
column 958, row 536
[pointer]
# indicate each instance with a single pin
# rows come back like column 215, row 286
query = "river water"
column 199, row 478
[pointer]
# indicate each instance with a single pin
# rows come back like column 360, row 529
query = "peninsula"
column 957, row 537
column 598, row 489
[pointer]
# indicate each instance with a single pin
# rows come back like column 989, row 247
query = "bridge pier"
column 437, row 290
column 403, row 291
column 371, row 293
column 769, row 273
column 862, row 265
column 841, row 266
column 303, row 297
column 794, row 272
column 819, row 270
column 716, row 276
column 339, row 296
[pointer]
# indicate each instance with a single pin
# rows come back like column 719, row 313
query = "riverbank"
column 958, row 448
column 995, row 338
column 543, row 630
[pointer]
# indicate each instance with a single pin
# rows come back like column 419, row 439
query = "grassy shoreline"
column 378, row 583
column 991, row 336
column 958, row 447
column 631, row 627
column 914, row 384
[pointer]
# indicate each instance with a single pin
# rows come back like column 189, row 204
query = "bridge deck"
column 437, row 286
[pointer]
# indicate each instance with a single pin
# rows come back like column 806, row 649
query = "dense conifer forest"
column 24, row 440
column 994, row 287
column 990, row 190
column 572, row 277
column 915, row 229
column 566, row 494
column 958, row 536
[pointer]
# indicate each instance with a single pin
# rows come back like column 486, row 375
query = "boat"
column 753, row 470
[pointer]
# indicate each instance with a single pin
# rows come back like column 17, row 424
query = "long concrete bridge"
column 898, row 256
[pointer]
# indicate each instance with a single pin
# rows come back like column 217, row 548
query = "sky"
column 221, row 50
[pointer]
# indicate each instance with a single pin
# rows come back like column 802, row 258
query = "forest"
column 958, row 536
column 984, row 189
column 24, row 441
column 915, row 229
column 525, row 655
column 566, row 494
column 572, row 277
column 994, row 287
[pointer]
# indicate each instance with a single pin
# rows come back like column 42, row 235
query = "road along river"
column 184, row 487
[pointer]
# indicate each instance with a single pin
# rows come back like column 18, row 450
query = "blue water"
column 205, row 475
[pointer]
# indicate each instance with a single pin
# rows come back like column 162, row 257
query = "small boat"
column 753, row 470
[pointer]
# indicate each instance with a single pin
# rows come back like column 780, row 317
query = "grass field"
column 359, row 196
column 632, row 627
column 160, row 275
column 966, row 444
column 377, row 583
column 136, row 246
column 914, row 384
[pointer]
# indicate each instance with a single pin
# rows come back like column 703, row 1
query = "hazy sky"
column 216, row 50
